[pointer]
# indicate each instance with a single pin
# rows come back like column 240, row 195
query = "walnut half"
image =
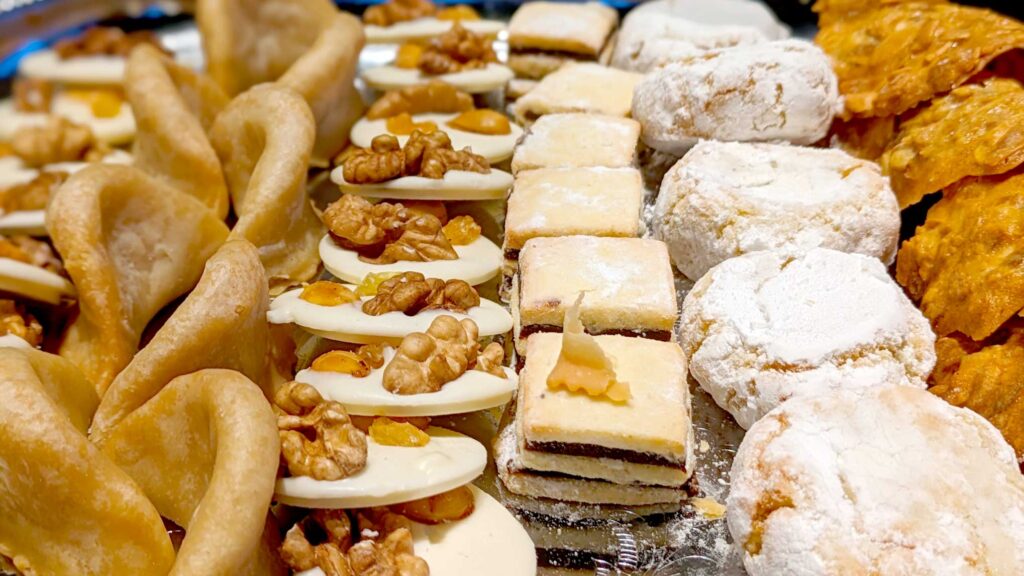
column 456, row 50
column 411, row 292
column 58, row 140
column 337, row 449
column 385, row 233
column 424, row 362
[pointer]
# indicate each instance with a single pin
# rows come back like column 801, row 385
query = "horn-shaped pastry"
column 173, row 108
column 309, row 45
column 221, row 324
column 205, row 451
column 66, row 508
column 131, row 245
column 264, row 138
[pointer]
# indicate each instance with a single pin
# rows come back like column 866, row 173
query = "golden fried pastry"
column 963, row 265
column 264, row 139
column 221, row 324
column 864, row 138
column 205, row 452
column 830, row 11
column 890, row 60
column 66, row 508
column 975, row 130
column 173, row 107
column 131, row 245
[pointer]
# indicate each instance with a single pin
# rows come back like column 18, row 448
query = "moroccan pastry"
column 308, row 45
column 221, row 324
column 543, row 36
column 719, row 13
column 768, row 326
column 951, row 266
column 101, row 109
column 577, row 141
column 627, row 281
column 588, row 87
column 220, row 488
column 398, row 21
column 783, row 90
column 107, row 222
column 264, row 140
column 174, row 107
column 890, row 60
column 426, row 167
column 69, row 527
column 831, row 11
column 458, row 57
column 726, row 199
column 828, row 484
column 979, row 124
column 366, row 238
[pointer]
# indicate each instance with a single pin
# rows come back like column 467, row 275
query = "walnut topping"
column 433, row 97
column 32, row 95
column 356, row 224
column 445, row 507
column 32, row 195
column 403, row 125
column 105, row 41
column 490, row 360
column 383, row 161
column 394, row 11
column 425, row 362
column 334, row 529
column 393, row 556
column 358, row 363
column 58, row 140
column 30, row 251
column 482, row 121
column 421, row 241
column 15, row 320
column 427, row 153
column 456, row 50
column 337, row 449
column 327, row 293
column 582, row 365
column 462, row 230
column 388, row 432
column 411, row 292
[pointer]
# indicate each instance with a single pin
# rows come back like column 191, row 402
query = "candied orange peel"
column 582, row 365
column 387, row 432
column 445, row 507
column 327, row 293
column 404, row 125
column 482, row 121
column 462, row 230
column 358, row 363
column 457, row 12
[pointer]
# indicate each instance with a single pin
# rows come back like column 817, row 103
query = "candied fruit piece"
column 5, row 149
column 104, row 103
column 403, row 125
column 482, row 121
column 387, row 432
column 435, row 208
column 582, row 365
column 327, row 293
column 372, row 281
column 457, row 12
column 444, row 507
column 342, row 362
column 408, row 55
column 461, row 230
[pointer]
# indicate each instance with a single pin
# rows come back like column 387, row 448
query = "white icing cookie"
column 117, row 130
column 477, row 263
column 889, row 481
column 393, row 474
column 768, row 326
column 33, row 282
column 489, row 541
column 492, row 77
column 456, row 185
column 495, row 148
column 97, row 70
column 348, row 323
column 426, row 28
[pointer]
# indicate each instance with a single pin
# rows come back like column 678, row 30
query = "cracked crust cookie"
column 768, row 326
column 577, row 141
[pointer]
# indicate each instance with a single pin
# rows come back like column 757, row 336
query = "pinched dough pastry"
column 725, row 199
column 888, row 61
column 58, row 489
column 768, row 326
column 221, row 324
column 888, row 481
column 579, row 88
column 131, row 245
column 781, row 90
column 264, row 140
column 205, row 450
column 173, row 108
column 974, row 130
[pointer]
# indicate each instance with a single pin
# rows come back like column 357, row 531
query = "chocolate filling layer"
column 512, row 254
column 593, row 451
column 662, row 335
column 556, row 53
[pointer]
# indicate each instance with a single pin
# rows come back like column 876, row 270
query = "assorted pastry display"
column 479, row 322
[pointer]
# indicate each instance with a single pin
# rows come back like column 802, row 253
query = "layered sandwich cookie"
column 399, row 21
column 553, row 202
column 543, row 36
column 365, row 238
column 579, row 88
column 458, row 57
column 627, row 281
column 577, row 141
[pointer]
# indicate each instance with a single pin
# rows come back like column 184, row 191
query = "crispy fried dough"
column 831, row 11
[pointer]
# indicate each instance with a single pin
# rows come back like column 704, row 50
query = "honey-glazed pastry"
column 107, row 223
column 264, row 140
column 67, row 527
column 543, row 36
column 221, row 324
column 174, row 107
column 219, row 488
column 768, row 326
column 783, row 90
column 590, row 88
column 577, row 141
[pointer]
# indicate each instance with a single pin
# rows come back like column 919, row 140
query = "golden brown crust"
column 831, row 11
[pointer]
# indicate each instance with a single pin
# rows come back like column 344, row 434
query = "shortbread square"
column 562, row 27
column 584, row 87
column 576, row 141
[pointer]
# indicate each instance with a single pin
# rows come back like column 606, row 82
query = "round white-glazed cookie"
column 94, row 70
column 33, row 282
column 477, row 263
column 783, row 90
column 119, row 129
column 492, row 77
column 495, row 148
column 725, row 199
column 455, row 185
column 489, row 541
column 768, row 326
column 348, row 322
column 890, row 481
column 425, row 29
column 717, row 13
column 393, row 474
